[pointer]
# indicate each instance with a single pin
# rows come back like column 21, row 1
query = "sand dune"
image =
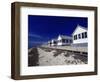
column 59, row 57
column 47, row 57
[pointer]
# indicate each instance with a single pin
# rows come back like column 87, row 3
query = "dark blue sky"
column 44, row 28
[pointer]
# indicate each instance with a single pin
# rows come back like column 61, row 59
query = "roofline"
column 66, row 36
column 79, row 26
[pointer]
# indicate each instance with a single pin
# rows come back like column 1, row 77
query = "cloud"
column 35, row 36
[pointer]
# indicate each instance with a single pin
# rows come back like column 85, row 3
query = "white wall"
column 5, row 44
column 59, row 43
column 80, row 30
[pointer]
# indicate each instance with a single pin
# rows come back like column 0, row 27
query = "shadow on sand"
column 33, row 57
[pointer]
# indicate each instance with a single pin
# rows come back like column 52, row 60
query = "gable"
column 79, row 29
column 59, row 37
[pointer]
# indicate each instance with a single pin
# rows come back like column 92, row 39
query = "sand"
column 49, row 57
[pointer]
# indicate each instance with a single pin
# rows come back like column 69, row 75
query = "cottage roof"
column 78, row 26
column 54, row 39
column 65, row 37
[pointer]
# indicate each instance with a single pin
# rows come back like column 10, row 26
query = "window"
column 85, row 34
column 55, row 42
column 63, row 40
column 70, row 41
column 79, row 36
column 66, row 41
column 75, row 37
column 50, row 43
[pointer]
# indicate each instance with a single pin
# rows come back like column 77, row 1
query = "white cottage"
column 80, row 36
column 49, row 43
column 54, row 42
column 64, row 40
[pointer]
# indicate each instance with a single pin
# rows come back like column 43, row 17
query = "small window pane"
column 70, row 41
column 76, row 37
column 85, row 34
column 82, row 35
column 66, row 41
column 79, row 36
column 63, row 40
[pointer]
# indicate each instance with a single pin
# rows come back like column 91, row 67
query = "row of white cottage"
column 79, row 38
